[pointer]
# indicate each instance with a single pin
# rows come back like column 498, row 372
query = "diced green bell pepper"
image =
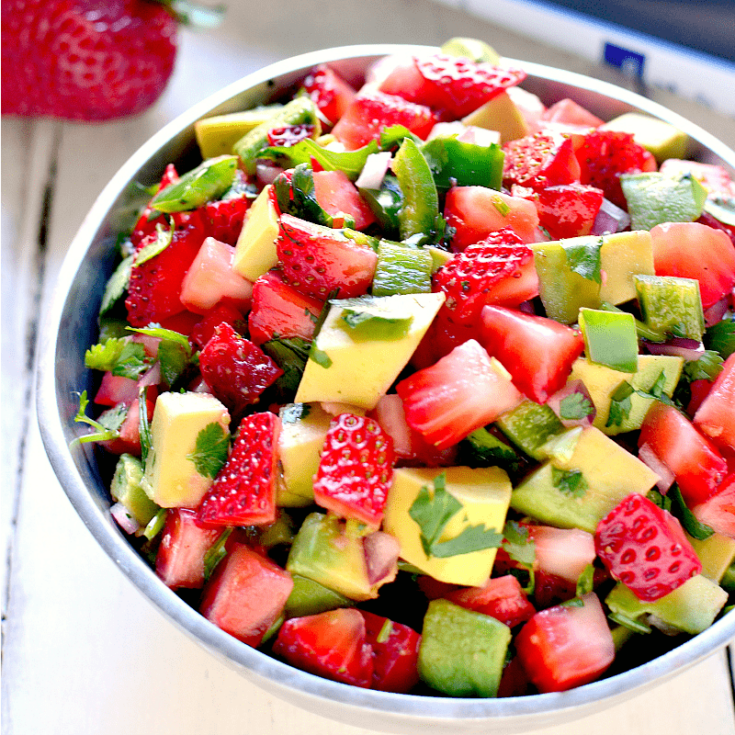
column 610, row 338
column 671, row 306
column 402, row 270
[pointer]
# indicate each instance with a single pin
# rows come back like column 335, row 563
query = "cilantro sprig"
column 432, row 511
column 569, row 482
column 106, row 428
column 210, row 450
column 575, row 406
column 583, row 257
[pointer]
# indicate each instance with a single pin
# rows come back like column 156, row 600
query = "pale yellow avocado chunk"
column 171, row 478
column 501, row 114
column 303, row 428
column 216, row 135
column 660, row 138
column 360, row 371
column 610, row 474
column 255, row 251
column 602, row 381
column 484, row 494
column 716, row 553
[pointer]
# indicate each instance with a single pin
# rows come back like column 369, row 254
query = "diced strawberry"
column 569, row 111
column 329, row 92
column 317, row 260
column 713, row 177
column 462, row 392
column 716, row 416
column 513, row 682
column 479, row 274
column 223, row 219
column 184, row 543
column 128, row 440
column 540, row 160
column 338, row 195
column 355, row 469
column 500, row 597
column 155, row 285
column 718, row 511
column 604, row 155
column 440, row 339
column 204, row 329
column 289, row 135
column 371, row 112
column 244, row 491
column 551, row 589
column 567, row 210
column 565, row 552
column 246, row 595
column 210, row 280
column 538, row 352
column 694, row 250
column 645, row 548
column 235, row 369
column 395, row 653
column 116, row 389
column 453, row 85
column 146, row 223
column 331, row 644
column 697, row 465
column 699, row 391
column 434, row 589
column 476, row 211
column 280, row 310
column 566, row 646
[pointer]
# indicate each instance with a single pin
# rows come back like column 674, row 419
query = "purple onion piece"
column 610, row 219
column 716, row 312
column 689, row 349
column 374, row 170
column 649, row 458
column 381, row 555
column 578, row 407
column 267, row 172
column 123, row 518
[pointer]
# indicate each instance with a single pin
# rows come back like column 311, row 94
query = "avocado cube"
column 172, row 478
column 579, row 491
column 610, row 338
column 127, row 488
column 255, row 251
column 564, row 291
column 350, row 366
column 218, row 134
column 462, row 652
column 671, row 306
column 483, row 495
column 660, row 138
column 303, row 428
column 311, row 598
column 602, row 382
column 716, row 553
column 501, row 114
column 690, row 608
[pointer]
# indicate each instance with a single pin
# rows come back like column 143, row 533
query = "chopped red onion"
column 266, row 172
column 527, row 307
column 689, row 349
column 716, row 312
column 151, row 377
column 374, row 170
column 610, row 219
column 651, row 460
column 577, row 393
column 123, row 518
column 381, row 555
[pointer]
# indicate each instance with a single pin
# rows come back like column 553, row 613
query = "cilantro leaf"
column 117, row 284
column 656, row 391
column 146, row 438
column 659, row 499
column 695, row 528
column 290, row 355
column 720, row 337
column 575, row 406
column 210, row 450
column 707, row 367
column 584, row 258
column 518, row 544
column 104, row 355
column 585, row 583
column 471, row 538
column 106, row 428
column 132, row 361
column 163, row 334
column 216, row 553
column 174, row 351
column 320, row 357
column 569, row 482
column 620, row 404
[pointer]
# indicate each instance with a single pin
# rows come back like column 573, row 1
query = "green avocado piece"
column 470, row 48
column 671, row 306
column 660, row 138
column 127, row 489
column 311, row 598
column 216, row 135
column 654, row 198
column 529, row 426
column 690, row 608
column 462, row 652
column 717, row 553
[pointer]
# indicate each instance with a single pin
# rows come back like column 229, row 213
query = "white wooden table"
column 83, row 652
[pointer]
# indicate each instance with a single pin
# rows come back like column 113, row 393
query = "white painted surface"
column 83, row 652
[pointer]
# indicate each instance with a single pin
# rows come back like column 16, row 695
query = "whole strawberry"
column 85, row 59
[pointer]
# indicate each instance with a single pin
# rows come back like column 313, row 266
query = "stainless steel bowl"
column 70, row 327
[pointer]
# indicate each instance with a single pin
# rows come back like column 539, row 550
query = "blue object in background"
column 629, row 62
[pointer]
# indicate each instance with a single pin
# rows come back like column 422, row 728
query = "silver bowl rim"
column 266, row 671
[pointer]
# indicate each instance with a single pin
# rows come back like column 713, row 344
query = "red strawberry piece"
column 395, row 653
column 329, row 92
column 154, row 289
column 128, row 440
column 204, row 329
column 566, row 646
column 148, row 220
column 236, row 370
column 456, row 86
column 355, row 469
column 715, row 418
column 223, row 219
column 246, row 595
column 604, row 155
column 470, row 277
column 440, row 339
column 570, row 112
column 317, row 260
column 184, row 543
column 462, row 392
column 116, row 389
column 501, row 597
column 339, row 196
column 280, row 310
column 540, row 160
column 288, row 135
column 645, row 548
column 94, row 60
column 551, row 589
column 563, row 552
column 371, row 112
column 332, row 644
column 244, row 491
column 513, row 682
column 539, row 352
column 718, row 512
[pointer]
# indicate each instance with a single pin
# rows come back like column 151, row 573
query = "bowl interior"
column 84, row 473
